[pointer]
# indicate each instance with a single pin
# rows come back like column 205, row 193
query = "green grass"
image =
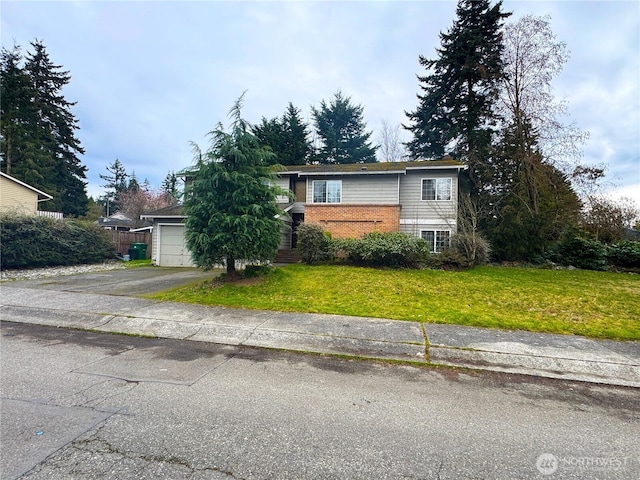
column 593, row 304
column 138, row 263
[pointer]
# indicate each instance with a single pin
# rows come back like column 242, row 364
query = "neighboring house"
column 19, row 197
column 117, row 221
column 122, row 222
column 349, row 200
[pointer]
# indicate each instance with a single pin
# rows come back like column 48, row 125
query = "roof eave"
column 45, row 196
column 153, row 217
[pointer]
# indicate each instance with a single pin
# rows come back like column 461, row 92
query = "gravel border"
column 35, row 273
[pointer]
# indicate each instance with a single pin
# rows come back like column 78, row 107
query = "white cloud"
column 151, row 76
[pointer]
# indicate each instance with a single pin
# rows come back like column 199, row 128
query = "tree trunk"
column 231, row 268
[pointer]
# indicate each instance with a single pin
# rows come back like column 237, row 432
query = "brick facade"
column 353, row 221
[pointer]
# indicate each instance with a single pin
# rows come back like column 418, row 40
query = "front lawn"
column 593, row 304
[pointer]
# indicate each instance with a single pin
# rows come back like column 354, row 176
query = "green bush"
column 31, row 242
column 573, row 249
column 624, row 254
column 314, row 244
column 393, row 249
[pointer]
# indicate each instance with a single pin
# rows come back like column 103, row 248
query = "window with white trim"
column 327, row 191
column 438, row 240
column 436, row 188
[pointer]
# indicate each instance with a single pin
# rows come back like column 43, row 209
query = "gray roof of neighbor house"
column 371, row 168
column 118, row 219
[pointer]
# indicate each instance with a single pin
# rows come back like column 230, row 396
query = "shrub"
column 393, row 249
column 450, row 259
column 472, row 248
column 31, row 242
column 314, row 244
column 575, row 250
column 624, row 254
column 340, row 248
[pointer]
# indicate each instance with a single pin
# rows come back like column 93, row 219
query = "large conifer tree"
column 455, row 113
column 231, row 204
column 288, row 137
column 21, row 130
column 39, row 143
column 533, row 202
column 341, row 128
column 297, row 147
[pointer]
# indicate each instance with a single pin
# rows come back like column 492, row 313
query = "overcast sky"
column 149, row 77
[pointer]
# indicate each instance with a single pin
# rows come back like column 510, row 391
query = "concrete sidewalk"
column 553, row 356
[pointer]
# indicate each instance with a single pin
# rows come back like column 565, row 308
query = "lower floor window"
column 438, row 240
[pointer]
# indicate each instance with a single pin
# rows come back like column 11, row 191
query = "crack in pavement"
column 96, row 443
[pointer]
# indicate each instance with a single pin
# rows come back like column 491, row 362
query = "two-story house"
column 348, row 200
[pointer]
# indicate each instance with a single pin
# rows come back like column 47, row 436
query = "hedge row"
column 578, row 250
column 399, row 250
column 31, row 242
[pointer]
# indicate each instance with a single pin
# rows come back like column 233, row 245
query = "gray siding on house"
column 415, row 228
column 419, row 214
column 362, row 189
column 282, row 182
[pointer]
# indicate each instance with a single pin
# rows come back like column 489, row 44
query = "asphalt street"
column 88, row 405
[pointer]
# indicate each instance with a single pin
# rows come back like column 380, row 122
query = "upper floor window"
column 327, row 191
column 436, row 189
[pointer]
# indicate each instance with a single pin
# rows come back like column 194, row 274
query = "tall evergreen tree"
column 170, row 186
column 341, row 128
column 116, row 183
column 20, row 128
column 297, row 147
column 288, row 137
column 270, row 133
column 65, row 175
column 39, row 145
column 231, row 205
column 533, row 200
column 455, row 113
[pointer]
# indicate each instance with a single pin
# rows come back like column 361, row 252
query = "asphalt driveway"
column 126, row 282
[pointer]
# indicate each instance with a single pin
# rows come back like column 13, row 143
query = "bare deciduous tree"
column 533, row 58
column 607, row 218
column 391, row 148
column 134, row 203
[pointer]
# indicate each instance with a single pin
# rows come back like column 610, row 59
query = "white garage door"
column 173, row 251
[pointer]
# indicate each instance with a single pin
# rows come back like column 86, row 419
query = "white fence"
column 56, row 215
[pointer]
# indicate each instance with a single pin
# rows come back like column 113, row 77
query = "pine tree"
column 231, row 204
column 534, row 202
column 288, row 137
column 64, row 173
column 341, row 128
column 133, row 184
column 170, row 186
column 116, row 182
column 270, row 133
column 297, row 147
column 21, row 130
column 456, row 110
